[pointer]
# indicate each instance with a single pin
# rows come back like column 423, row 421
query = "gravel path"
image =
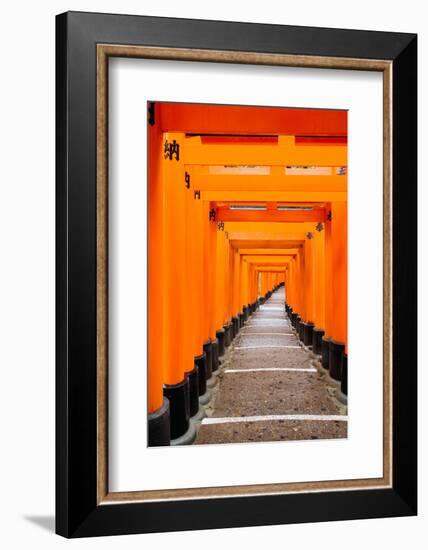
column 267, row 380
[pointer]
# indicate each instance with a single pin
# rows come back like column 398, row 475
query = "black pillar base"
column 245, row 312
column 179, row 411
column 337, row 350
column 221, row 335
column 227, row 336
column 301, row 329
column 201, row 364
column 317, row 335
column 241, row 320
column 235, row 323
column 325, row 352
column 344, row 382
column 159, row 429
column 308, row 329
column 207, row 347
column 193, row 377
column 214, row 352
column 294, row 319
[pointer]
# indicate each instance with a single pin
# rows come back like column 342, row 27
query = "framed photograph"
column 236, row 274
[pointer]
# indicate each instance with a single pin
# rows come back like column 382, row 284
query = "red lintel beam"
column 235, row 119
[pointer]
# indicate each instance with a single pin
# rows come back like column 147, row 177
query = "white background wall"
column 27, row 270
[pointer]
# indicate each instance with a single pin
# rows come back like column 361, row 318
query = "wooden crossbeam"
column 227, row 215
column 274, row 196
column 284, row 153
column 283, row 183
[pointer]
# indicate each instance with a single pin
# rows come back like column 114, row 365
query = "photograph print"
column 247, row 274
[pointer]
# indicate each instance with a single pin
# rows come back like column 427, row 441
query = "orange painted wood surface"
column 208, row 260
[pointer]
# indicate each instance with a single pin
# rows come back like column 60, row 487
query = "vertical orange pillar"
column 210, row 274
column 199, row 289
column 250, row 283
column 340, row 270
column 228, row 288
column 289, row 285
column 300, row 273
column 191, row 292
column 286, row 283
column 320, row 278
column 220, row 288
column 309, row 289
column 236, row 282
column 296, row 270
column 308, row 278
column 301, row 276
column 328, row 286
column 328, row 279
column 253, row 285
column 211, row 271
column 225, row 263
column 339, row 237
column 294, row 284
column 158, row 406
column 178, row 358
column 236, row 290
column 244, row 286
column 318, row 332
column 194, row 297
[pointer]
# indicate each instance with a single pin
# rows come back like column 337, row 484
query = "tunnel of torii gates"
column 232, row 215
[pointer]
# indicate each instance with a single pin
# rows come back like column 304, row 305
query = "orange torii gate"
column 220, row 214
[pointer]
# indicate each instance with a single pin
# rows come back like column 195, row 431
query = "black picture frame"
column 77, row 511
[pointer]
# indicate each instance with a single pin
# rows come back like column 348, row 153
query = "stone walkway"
column 269, row 387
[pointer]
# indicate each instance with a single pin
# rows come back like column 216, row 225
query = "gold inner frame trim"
column 104, row 51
